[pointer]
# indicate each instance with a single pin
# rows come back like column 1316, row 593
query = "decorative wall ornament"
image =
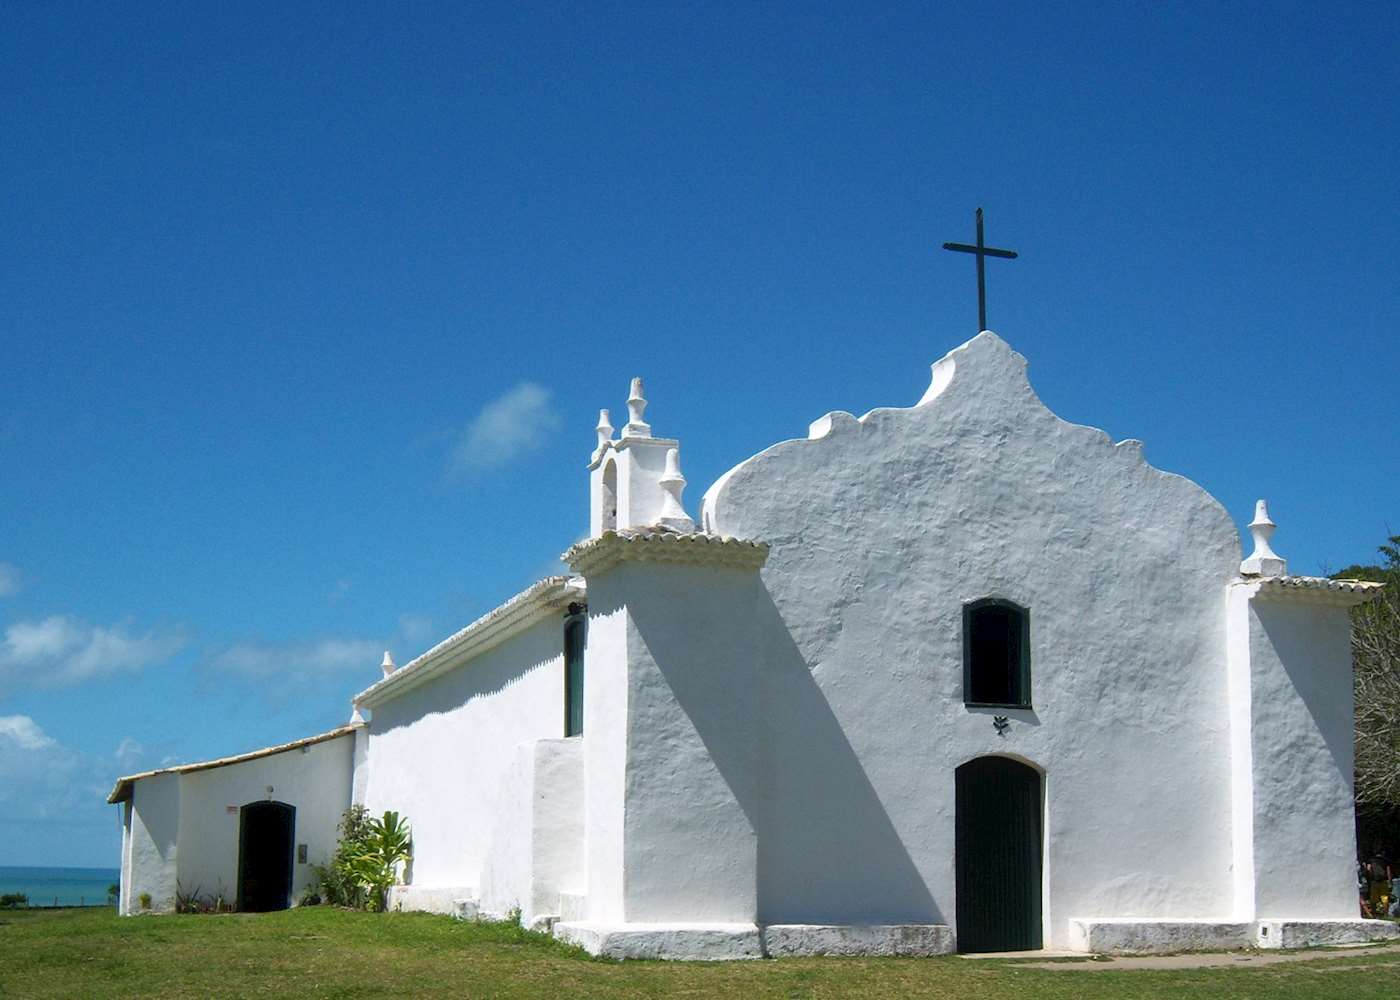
column 1001, row 724
column 636, row 406
column 1263, row 561
column 605, row 433
column 673, row 515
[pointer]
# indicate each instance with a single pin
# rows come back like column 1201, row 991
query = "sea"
column 59, row 886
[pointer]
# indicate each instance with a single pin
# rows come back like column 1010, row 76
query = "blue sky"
column 306, row 312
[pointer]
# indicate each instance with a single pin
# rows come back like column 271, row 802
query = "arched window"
column 574, row 633
column 996, row 654
column 609, row 498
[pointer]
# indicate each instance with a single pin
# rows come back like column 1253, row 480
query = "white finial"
column 605, row 433
column 355, row 716
column 1263, row 561
column 636, row 405
column 388, row 665
column 673, row 515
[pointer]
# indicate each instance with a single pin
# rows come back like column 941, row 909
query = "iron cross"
column 983, row 252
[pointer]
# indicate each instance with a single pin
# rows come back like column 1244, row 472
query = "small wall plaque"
column 301, row 854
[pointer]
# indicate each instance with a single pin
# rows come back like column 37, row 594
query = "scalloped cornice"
column 596, row 555
column 1313, row 590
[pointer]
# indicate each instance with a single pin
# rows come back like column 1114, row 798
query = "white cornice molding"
column 1312, row 589
column 488, row 631
column 655, row 545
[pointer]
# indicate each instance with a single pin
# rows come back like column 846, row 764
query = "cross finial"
column 983, row 252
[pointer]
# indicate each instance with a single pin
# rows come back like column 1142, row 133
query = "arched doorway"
column 265, row 834
column 998, row 859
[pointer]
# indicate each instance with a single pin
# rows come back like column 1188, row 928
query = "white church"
column 957, row 676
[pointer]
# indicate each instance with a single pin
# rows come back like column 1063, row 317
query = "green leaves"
column 366, row 863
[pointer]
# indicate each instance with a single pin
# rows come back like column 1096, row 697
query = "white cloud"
column 60, row 651
column 129, row 755
column 9, row 579
column 320, row 657
column 512, row 425
column 41, row 779
column 24, row 732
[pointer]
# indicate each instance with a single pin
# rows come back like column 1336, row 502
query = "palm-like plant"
column 387, row 844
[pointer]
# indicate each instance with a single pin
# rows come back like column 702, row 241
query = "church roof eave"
column 1314, row 589
column 491, row 629
column 121, row 791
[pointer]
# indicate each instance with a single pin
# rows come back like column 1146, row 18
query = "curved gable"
column 978, row 490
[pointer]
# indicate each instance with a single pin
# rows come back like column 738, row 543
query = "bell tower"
column 635, row 480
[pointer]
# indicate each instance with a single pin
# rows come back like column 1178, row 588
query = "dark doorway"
column 265, row 834
column 998, row 856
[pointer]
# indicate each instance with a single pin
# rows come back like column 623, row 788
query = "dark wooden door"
column 998, row 856
column 265, row 834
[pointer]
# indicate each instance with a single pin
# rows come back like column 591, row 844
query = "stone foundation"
column 433, row 899
column 1320, row 933
column 785, row 940
column 706, row 942
column 1137, row 936
column 727, row 942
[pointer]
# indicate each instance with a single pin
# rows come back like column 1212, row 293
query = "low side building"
column 245, row 830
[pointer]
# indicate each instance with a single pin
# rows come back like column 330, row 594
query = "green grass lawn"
column 322, row 952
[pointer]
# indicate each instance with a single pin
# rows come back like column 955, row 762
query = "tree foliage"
column 1376, row 674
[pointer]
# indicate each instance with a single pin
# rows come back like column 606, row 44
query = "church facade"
column 955, row 676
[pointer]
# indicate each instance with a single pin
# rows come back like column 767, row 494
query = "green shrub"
column 366, row 860
column 13, row 900
column 376, row 867
column 336, row 881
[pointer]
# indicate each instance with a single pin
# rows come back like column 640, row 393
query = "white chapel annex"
column 954, row 676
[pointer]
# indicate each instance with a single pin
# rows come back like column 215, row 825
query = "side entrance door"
column 998, row 862
column 265, row 834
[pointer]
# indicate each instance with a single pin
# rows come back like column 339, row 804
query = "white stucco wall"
column 690, row 847
column 440, row 753
column 880, row 529
column 605, row 706
column 535, row 849
column 1302, row 732
column 558, row 824
column 150, row 864
column 315, row 780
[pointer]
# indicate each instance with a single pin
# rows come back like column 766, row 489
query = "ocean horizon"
column 59, row 886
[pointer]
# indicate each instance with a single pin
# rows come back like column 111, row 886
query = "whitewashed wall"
column 150, row 842
column 690, row 847
column 535, row 850
column 440, row 753
column 881, row 528
column 605, row 706
column 1304, row 835
column 315, row 779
